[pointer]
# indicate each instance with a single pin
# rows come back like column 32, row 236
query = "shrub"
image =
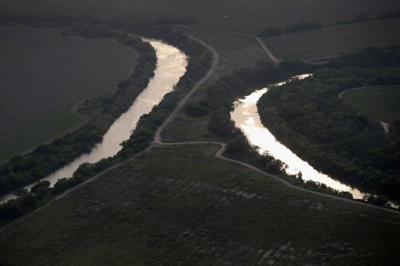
column 195, row 110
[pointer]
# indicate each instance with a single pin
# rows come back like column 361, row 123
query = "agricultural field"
column 43, row 79
column 209, row 212
column 332, row 41
column 379, row 103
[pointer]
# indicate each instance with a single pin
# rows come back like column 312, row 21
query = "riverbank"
column 101, row 112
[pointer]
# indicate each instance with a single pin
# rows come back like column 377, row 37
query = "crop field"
column 43, row 76
column 333, row 40
column 379, row 103
column 150, row 212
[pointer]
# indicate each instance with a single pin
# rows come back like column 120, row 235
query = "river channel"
column 171, row 66
column 246, row 117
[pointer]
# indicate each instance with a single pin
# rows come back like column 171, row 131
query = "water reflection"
column 246, row 117
column 171, row 66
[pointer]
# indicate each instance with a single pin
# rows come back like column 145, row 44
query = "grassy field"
column 334, row 40
column 379, row 103
column 43, row 76
column 210, row 212
column 185, row 128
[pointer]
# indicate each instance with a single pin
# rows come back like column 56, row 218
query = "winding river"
column 171, row 66
column 246, row 117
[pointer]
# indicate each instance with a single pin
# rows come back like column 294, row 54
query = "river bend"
column 246, row 117
column 171, row 66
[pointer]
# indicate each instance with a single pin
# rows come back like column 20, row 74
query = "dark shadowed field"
column 43, row 76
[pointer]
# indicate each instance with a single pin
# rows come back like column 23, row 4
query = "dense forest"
column 309, row 117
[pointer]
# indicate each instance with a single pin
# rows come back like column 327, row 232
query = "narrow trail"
column 349, row 90
column 268, row 52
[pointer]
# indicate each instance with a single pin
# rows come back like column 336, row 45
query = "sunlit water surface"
column 171, row 66
column 246, row 117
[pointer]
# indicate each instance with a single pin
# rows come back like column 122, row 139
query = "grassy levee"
column 331, row 41
column 210, row 212
column 380, row 103
column 44, row 79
